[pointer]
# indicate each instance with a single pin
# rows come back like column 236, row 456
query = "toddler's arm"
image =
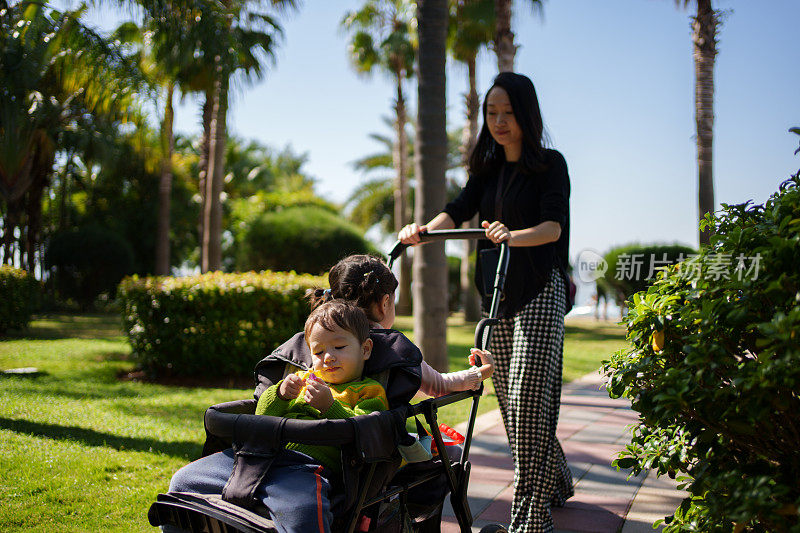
column 276, row 399
column 437, row 384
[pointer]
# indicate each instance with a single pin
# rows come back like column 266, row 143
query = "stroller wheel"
column 493, row 528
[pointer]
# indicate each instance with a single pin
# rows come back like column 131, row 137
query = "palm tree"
column 54, row 73
column 504, row 45
column 226, row 37
column 430, row 267
column 382, row 37
column 248, row 37
column 373, row 201
column 705, row 25
column 162, row 57
column 472, row 23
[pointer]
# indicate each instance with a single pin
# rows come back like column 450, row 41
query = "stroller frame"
column 213, row 514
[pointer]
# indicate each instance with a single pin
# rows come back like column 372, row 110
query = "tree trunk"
column 33, row 208
column 401, row 214
column 63, row 212
column 430, row 266
column 9, row 224
column 504, row 46
column 212, row 219
column 704, row 32
column 470, row 302
column 165, row 187
column 205, row 149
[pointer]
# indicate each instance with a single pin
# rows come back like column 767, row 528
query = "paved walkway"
column 592, row 428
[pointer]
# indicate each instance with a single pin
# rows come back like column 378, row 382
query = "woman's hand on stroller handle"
column 496, row 231
column 486, row 362
column 410, row 233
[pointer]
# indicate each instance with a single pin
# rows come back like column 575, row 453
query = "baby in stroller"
column 366, row 281
column 296, row 490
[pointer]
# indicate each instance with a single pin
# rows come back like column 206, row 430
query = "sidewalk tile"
column 611, row 502
column 623, row 440
column 578, row 470
column 581, row 416
column 491, row 474
column 596, row 520
column 566, row 429
column 590, row 452
column 661, row 482
column 489, row 447
column 480, row 495
column 500, row 509
column 572, row 400
column 623, row 417
column 498, row 429
column 597, row 432
column 606, row 480
column 491, row 460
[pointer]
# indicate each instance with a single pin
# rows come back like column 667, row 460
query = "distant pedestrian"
column 521, row 191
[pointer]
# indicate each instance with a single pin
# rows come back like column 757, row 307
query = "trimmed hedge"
column 213, row 324
column 20, row 295
column 714, row 370
column 303, row 239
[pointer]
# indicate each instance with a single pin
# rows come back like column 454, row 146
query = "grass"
column 81, row 450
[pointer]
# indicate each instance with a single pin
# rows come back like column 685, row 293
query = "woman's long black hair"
column 487, row 157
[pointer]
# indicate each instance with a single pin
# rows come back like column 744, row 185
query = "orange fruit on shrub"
column 658, row 340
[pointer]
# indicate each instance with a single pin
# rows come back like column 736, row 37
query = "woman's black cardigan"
column 529, row 200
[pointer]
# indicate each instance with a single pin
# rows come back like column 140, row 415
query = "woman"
column 523, row 189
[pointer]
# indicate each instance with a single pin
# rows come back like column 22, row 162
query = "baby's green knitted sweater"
column 349, row 400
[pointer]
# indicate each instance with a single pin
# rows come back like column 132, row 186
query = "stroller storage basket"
column 368, row 446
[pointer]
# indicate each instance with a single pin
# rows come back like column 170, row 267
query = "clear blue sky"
column 615, row 82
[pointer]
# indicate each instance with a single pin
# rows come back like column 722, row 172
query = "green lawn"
column 81, row 450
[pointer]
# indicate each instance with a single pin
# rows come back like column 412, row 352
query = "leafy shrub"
column 714, row 370
column 20, row 294
column 303, row 239
column 631, row 268
column 213, row 324
column 88, row 262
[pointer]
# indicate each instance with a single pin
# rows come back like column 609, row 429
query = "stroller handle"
column 437, row 235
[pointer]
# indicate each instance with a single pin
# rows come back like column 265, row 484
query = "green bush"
column 20, row 295
column 714, row 370
column 631, row 268
column 303, row 239
column 88, row 262
column 213, row 324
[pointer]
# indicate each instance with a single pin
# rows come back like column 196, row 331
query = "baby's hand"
column 487, row 362
column 290, row 387
column 318, row 394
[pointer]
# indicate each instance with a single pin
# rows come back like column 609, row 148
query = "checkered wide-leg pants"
column 528, row 352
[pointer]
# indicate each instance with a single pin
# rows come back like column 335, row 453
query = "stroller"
column 374, row 494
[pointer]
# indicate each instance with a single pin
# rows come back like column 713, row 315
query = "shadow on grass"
column 183, row 449
column 71, row 326
column 83, row 389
